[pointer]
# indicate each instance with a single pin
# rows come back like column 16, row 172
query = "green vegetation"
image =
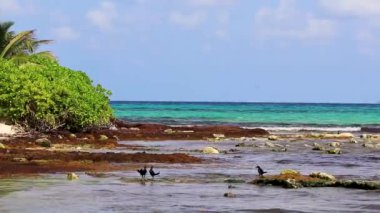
column 43, row 95
column 38, row 93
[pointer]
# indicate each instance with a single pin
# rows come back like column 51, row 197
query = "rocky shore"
column 92, row 150
column 96, row 149
column 293, row 179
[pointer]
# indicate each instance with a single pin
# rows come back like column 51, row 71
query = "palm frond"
column 20, row 37
column 20, row 45
column 4, row 32
column 47, row 54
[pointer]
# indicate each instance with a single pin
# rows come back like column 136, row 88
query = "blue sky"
column 215, row 50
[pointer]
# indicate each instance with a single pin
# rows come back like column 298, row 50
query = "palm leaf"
column 47, row 54
column 20, row 37
column 4, row 32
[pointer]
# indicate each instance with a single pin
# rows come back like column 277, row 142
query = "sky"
column 214, row 50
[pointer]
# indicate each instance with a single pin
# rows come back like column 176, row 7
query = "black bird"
column 260, row 171
column 142, row 172
column 152, row 173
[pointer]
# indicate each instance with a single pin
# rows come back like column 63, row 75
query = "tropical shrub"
column 43, row 95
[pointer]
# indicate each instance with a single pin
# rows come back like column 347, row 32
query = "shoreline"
column 96, row 150
column 63, row 151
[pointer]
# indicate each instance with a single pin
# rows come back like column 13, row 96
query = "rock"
column 113, row 128
column 243, row 139
column 289, row 171
column 60, row 137
column 335, row 151
column 352, row 140
column 344, row 135
column 103, row 137
column 213, row 139
column 279, row 149
column 134, row 129
column 115, row 137
column 315, row 135
column 272, row 137
column 44, row 142
column 2, row 146
column 245, row 145
column 169, row 131
column 323, row 175
column 370, row 137
column 186, row 131
column 368, row 145
column 315, row 179
column 72, row 135
column 365, row 136
column 318, row 147
column 210, row 150
column 334, row 144
column 20, row 160
column 292, row 184
column 40, row 161
column 72, row 176
column 218, row 135
column 292, row 181
column 229, row 194
column 359, row 184
column 269, row 144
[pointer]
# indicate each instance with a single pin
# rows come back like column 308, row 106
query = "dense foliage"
column 43, row 95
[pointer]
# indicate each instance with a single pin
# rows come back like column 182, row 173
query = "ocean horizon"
column 268, row 115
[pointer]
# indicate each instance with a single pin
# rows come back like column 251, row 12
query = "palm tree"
column 18, row 46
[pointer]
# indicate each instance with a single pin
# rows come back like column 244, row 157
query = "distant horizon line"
column 248, row 102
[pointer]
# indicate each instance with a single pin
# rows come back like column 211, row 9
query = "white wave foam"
column 308, row 128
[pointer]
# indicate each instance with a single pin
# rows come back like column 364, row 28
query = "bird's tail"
column 157, row 173
column 265, row 172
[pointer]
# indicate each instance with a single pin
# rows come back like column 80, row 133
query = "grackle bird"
column 152, row 173
column 142, row 172
column 260, row 171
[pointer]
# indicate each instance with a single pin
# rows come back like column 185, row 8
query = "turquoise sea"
column 286, row 116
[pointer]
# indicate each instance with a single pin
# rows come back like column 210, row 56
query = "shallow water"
column 200, row 187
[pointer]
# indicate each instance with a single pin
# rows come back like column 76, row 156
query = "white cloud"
column 368, row 41
column 221, row 34
column 14, row 7
column 285, row 21
column 10, row 6
column 103, row 17
column 188, row 20
column 65, row 33
column 361, row 8
column 212, row 3
column 363, row 17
